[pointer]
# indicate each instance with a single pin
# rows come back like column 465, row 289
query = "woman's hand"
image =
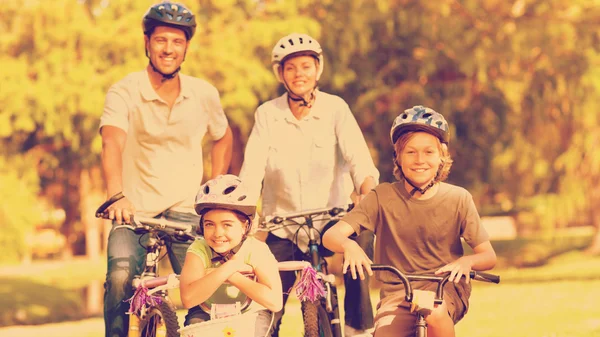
column 457, row 269
column 356, row 259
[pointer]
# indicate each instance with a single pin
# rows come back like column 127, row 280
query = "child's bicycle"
column 422, row 301
column 321, row 317
column 152, row 313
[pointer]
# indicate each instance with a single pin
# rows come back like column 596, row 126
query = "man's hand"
column 121, row 211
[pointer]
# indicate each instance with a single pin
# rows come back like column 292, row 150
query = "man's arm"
column 221, row 154
column 113, row 143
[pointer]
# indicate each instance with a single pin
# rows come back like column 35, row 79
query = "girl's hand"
column 457, row 269
column 356, row 259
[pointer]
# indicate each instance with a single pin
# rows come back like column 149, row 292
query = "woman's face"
column 420, row 159
column 223, row 230
column 300, row 74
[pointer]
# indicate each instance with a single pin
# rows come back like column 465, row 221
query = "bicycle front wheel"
column 316, row 320
column 160, row 321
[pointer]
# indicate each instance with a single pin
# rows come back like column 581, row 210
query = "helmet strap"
column 165, row 77
column 297, row 98
column 415, row 187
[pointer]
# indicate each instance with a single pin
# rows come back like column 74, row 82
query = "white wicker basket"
column 242, row 325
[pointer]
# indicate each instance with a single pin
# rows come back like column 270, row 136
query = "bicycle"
column 321, row 317
column 152, row 313
column 423, row 301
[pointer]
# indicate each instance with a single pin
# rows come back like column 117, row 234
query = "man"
column 152, row 129
column 303, row 144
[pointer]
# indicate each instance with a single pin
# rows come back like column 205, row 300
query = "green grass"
column 555, row 300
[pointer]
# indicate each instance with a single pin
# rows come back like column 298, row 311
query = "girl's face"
column 300, row 74
column 223, row 230
column 420, row 159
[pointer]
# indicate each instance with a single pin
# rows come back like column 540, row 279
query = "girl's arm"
column 197, row 285
column 336, row 239
column 266, row 290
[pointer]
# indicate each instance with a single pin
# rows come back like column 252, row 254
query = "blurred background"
column 519, row 82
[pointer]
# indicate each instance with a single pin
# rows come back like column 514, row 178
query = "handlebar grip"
column 481, row 276
column 101, row 211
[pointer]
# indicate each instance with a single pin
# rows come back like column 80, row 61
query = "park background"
column 519, row 82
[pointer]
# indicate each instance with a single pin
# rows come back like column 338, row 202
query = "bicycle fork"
column 330, row 302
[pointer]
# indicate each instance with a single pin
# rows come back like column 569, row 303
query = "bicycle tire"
column 316, row 320
column 161, row 316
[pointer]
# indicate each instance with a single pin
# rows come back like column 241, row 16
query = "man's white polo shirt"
column 162, row 159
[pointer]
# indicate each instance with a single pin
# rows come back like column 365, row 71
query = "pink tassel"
column 141, row 299
column 309, row 287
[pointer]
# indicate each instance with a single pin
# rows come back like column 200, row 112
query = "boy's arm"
column 483, row 258
column 336, row 239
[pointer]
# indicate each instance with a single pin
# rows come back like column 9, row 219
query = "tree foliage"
column 517, row 80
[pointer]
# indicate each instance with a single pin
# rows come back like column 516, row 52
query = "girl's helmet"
column 420, row 118
column 224, row 192
column 293, row 45
column 170, row 14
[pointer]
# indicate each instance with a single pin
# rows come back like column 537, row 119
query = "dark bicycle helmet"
column 169, row 14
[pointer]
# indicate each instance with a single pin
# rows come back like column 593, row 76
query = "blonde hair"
column 445, row 157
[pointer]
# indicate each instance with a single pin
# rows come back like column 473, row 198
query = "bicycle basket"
column 241, row 325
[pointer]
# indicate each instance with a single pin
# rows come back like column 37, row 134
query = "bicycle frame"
column 318, row 262
column 441, row 280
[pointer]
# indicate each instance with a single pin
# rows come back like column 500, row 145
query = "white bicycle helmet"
column 295, row 44
column 420, row 118
column 224, row 192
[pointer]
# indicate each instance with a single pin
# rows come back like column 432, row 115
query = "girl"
column 211, row 272
column 418, row 222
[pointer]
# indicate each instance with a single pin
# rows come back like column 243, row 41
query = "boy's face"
column 420, row 158
column 223, row 230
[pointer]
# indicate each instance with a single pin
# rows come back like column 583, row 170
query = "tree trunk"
column 90, row 198
column 594, row 248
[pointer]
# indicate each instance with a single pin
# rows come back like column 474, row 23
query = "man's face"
column 166, row 48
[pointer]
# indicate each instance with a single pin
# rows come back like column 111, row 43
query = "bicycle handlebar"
column 180, row 231
column 277, row 219
column 405, row 279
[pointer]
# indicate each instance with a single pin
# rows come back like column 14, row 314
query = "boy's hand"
column 457, row 269
column 356, row 259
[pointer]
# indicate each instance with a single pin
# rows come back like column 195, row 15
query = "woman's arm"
column 197, row 285
column 266, row 290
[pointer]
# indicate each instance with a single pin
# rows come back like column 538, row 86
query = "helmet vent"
column 291, row 41
column 206, row 189
column 229, row 189
column 241, row 198
column 404, row 116
column 426, row 115
column 300, row 40
column 170, row 16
